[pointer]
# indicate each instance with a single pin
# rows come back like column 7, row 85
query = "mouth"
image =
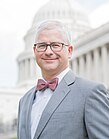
column 50, row 60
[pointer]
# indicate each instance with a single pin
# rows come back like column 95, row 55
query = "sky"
column 16, row 18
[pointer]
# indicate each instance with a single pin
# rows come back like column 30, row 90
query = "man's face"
column 49, row 61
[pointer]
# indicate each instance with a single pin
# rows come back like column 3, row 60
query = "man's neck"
column 49, row 76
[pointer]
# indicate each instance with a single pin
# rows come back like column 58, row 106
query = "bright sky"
column 16, row 17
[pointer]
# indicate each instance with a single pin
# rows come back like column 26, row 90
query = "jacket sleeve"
column 97, row 113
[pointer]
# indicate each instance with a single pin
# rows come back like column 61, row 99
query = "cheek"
column 65, row 54
column 38, row 57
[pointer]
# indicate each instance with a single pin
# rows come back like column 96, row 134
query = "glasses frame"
column 50, row 45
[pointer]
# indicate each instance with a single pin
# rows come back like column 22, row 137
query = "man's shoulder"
column 89, row 86
column 85, row 81
column 88, row 83
column 81, row 81
column 28, row 94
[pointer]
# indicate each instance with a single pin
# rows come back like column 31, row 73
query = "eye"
column 41, row 46
column 56, row 45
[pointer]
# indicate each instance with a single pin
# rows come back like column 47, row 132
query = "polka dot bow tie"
column 42, row 85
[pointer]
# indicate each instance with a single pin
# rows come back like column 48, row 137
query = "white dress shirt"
column 40, row 102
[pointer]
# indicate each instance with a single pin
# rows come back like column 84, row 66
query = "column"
column 88, row 65
column 75, row 66
column 104, row 65
column 81, row 65
column 96, row 68
column 32, row 68
column 21, row 72
column 26, row 69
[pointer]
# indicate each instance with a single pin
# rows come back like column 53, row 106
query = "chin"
column 51, row 69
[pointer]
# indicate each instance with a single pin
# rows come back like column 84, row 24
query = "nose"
column 48, row 49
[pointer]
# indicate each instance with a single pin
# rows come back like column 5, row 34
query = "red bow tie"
column 42, row 85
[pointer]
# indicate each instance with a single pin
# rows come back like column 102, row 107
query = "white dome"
column 68, row 11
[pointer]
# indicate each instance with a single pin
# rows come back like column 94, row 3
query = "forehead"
column 45, row 32
column 50, row 35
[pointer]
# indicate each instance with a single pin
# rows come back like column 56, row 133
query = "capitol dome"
column 68, row 11
column 65, row 10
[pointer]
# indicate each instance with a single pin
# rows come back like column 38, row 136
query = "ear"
column 70, row 51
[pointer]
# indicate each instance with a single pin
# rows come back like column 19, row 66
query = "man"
column 75, row 108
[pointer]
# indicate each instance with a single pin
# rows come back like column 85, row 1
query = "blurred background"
column 89, row 25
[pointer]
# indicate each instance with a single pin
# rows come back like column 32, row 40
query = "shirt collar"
column 62, row 74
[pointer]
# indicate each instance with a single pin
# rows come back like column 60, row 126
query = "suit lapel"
column 57, row 98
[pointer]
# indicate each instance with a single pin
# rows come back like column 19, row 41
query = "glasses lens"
column 40, row 47
column 56, row 46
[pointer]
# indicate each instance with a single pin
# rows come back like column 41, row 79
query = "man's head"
column 52, row 47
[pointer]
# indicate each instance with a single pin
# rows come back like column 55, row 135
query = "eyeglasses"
column 54, row 46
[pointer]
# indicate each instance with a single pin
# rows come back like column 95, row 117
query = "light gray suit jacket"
column 78, row 109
